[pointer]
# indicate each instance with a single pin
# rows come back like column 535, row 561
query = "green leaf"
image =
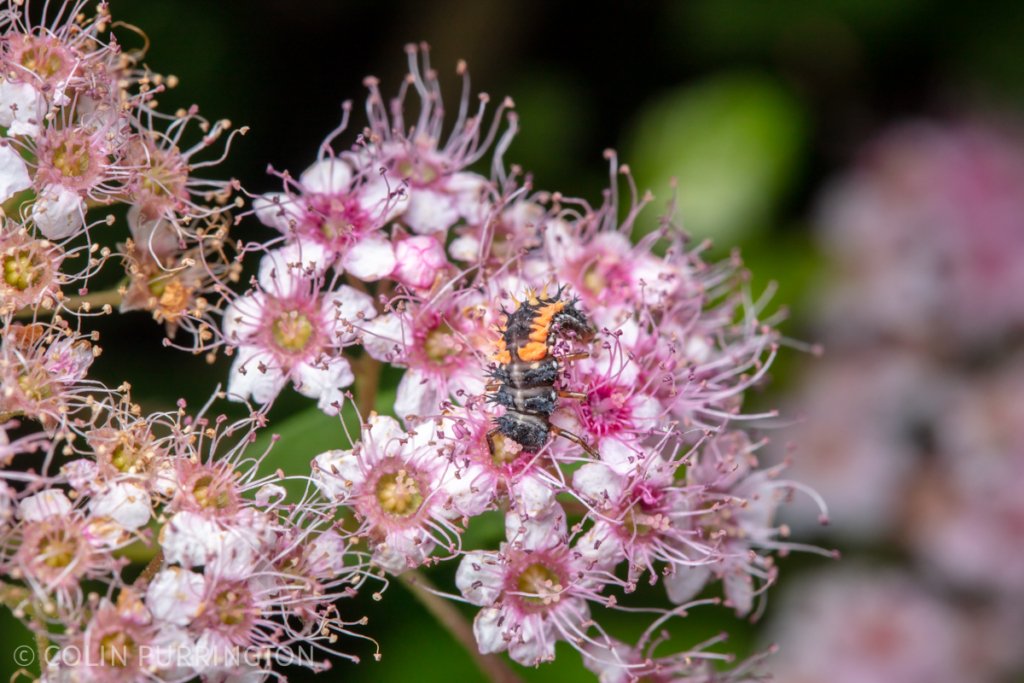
column 733, row 143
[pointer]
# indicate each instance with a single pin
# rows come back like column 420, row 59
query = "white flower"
column 126, row 504
column 175, row 595
column 13, row 173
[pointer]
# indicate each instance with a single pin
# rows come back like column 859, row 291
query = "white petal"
column 532, row 495
column 236, row 555
column 479, row 577
column 686, row 582
column 336, row 472
column 13, row 173
column 471, row 196
column 190, row 540
column 371, row 258
column 254, row 373
column 329, row 555
column 384, row 437
column 324, row 381
column 621, row 456
column 535, row 644
column 289, row 270
column 329, row 176
column 126, row 504
column 487, row 629
column 465, row 248
column 598, row 482
column 58, row 212
column 82, row 473
column 417, row 395
column 601, row 545
column 739, row 591
column 48, row 503
column 471, row 489
column 175, row 595
column 345, row 311
column 430, row 211
column 386, row 337
column 419, row 260
column 537, row 533
column 378, row 199
column 278, row 210
column 243, row 318
column 22, row 108
column 158, row 237
column 403, row 550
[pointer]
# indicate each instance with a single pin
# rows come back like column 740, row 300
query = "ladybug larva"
column 523, row 379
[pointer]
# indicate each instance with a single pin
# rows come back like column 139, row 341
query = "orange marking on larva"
column 533, row 351
column 541, row 324
column 501, row 354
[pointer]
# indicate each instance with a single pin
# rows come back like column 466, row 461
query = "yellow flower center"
column 417, row 171
column 57, row 551
column 503, row 449
column 21, row 269
column 35, row 385
column 123, row 457
column 208, row 493
column 42, row 61
column 71, row 159
column 540, row 584
column 292, row 331
column 399, row 494
column 594, row 280
column 440, row 344
column 231, row 607
column 117, row 649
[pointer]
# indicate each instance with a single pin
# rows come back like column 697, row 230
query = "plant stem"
column 367, row 372
column 493, row 666
column 152, row 568
column 94, row 299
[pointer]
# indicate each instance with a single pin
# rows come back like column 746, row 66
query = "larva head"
column 573, row 320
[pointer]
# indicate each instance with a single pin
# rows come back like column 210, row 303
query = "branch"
column 493, row 666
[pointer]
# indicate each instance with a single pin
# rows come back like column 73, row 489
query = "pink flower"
column 396, row 483
column 290, row 329
column 532, row 591
column 331, row 209
column 420, row 261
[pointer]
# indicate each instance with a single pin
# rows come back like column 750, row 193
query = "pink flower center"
column 642, row 518
column 42, row 55
column 331, row 218
column 607, row 411
column 417, row 171
column 69, row 157
column 441, row 346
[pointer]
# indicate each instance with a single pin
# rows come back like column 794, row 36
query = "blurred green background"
column 751, row 105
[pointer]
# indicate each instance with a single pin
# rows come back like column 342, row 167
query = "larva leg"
column 558, row 431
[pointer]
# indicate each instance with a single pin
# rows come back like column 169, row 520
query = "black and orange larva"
column 523, row 379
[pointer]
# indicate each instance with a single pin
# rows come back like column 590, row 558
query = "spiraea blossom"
column 558, row 372
column 620, row 459
column 290, row 328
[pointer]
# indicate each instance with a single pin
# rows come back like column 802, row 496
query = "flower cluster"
column 236, row 578
column 396, row 252
column 925, row 235
column 81, row 131
column 562, row 370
